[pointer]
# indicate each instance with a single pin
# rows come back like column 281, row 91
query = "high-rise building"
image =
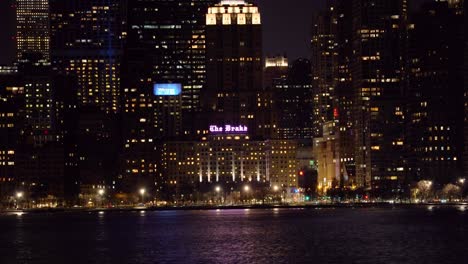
column 324, row 59
column 32, row 17
column 435, row 131
column 86, row 40
column 293, row 103
column 234, row 66
column 39, row 125
column 344, row 95
column 379, row 82
column 11, row 102
column 165, row 46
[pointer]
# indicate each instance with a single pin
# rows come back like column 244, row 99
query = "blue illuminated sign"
column 167, row 89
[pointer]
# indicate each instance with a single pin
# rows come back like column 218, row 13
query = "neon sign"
column 167, row 89
column 228, row 129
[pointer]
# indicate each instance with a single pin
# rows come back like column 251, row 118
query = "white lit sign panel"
column 167, row 89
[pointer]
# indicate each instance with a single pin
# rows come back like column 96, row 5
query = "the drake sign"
column 226, row 129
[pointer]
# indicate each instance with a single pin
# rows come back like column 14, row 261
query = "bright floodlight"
column 19, row 194
column 246, row 188
column 101, row 192
column 142, row 191
column 218, row 189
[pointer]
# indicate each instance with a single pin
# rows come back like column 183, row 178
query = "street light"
column 246, row 188
column 142, row 192
column 19, row 195
column 217, row 189
column 101, row 193
column 461, row 180
column 275, row 188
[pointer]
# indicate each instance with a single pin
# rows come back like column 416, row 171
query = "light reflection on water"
column 372, row 235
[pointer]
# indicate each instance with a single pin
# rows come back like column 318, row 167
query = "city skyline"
column 175, row 98
column 294, row 40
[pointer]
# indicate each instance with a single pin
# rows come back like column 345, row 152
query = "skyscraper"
column 378, row 70
column 165, row 46
column 11, row 102
column 234, row 66
column 324, row 59
column 293, row 103
column 435, row 131
column 86, row 40
column 33, row 36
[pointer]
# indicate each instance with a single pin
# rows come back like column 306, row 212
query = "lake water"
column 363, row 235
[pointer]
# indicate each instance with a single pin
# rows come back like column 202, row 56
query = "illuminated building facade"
column 86, row 40
column 11, row 101
column 165, row 44
column 324, row 59
column 230, row 157
column 39, row 124
column 275, row 70
column 327, row 154
column 435, row 130
column 283, row 163
column 234, row 67
column 344, row 95
column 32, row 36
column 379, row 82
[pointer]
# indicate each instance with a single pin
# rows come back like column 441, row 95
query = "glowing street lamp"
column 246, row 188
column 101, row 194
column 19, row 195
column 217, row 189
column 142, row 193
column 461, row 181
column 275, row 188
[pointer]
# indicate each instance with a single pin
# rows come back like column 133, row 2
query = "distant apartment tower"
column 86, row 41
column 324, row 59
column 32, row 35
column 293, row 102
column 378, row 70
column 234, row 66
column 435, row 131
column 11, row 102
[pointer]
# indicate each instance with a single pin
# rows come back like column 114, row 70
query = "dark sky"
column 286, row 26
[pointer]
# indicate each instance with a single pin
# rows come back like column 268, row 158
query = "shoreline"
column 236, row 207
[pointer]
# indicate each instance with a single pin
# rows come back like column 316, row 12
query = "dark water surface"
column 365, row 235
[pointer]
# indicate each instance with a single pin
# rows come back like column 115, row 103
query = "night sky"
column 286, row 25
